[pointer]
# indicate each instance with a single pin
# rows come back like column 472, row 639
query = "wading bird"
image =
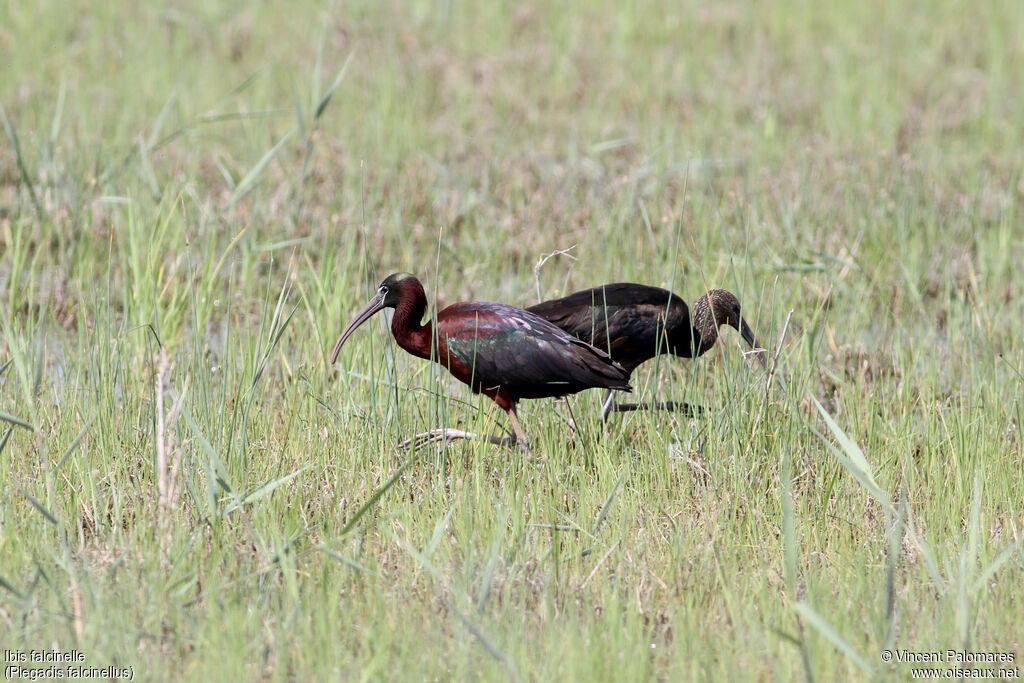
column 500, row 351
column 634, row 323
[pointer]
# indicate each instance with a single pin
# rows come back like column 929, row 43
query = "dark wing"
column 509, row 347
column 631, row 316
column 585, row 322
column 582, row 313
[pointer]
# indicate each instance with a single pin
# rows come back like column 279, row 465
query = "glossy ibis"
column 500, row 351
column 634, row 323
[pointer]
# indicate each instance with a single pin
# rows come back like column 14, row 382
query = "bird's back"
column 626, row 319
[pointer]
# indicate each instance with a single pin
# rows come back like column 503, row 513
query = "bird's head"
column 716, row 308
column 396, row 288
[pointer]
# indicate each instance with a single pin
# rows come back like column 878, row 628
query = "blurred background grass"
column 195, row 196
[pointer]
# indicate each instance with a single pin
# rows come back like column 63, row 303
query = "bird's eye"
column 383, row 289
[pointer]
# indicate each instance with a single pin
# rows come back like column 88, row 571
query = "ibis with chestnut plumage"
column 503, row 352
column 634, row 323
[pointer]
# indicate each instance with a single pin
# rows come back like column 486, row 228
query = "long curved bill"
column 748, row 336
column 376, row 304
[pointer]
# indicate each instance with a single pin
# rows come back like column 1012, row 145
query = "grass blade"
column 892, row 562
column 439, row 528
column 214, row 468
column 7, row 584
column 39, row 506
column 967, row 558
column 789, row 544
column 40, row 368
column 372, row 500
column 158, row 126
column 334, row 86
column 349, row 562
column 148, row 174
column 252, row 177
column 608, row 503
column 482, row 638
column 300, row 120
column 1002, row 558
column 58, row 112
column 929, row 557
column 74, row 444
column 264, row 490
column 25, row 177
column 851, row 457
column 833, row 636
column 7, row 417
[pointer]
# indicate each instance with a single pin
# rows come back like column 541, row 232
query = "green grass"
column 195, row 197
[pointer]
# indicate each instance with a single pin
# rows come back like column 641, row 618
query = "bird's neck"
column 407, row 330
column 705, row 329
column 704, row 338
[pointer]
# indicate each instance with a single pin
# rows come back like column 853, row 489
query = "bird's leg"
column 608, row 405
column 570, row 421
column 521, row 439
column 685, row 408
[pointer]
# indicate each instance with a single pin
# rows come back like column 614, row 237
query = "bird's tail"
column 611, row 375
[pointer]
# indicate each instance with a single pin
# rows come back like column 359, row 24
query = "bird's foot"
column 435, row 436
column 687, row 409
column 447, row 435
